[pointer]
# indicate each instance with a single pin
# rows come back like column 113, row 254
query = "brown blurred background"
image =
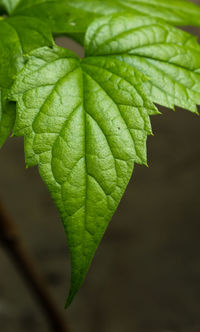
column 146, row 274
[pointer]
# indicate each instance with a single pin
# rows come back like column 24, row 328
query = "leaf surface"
column 169, row 57
column 9, row 5
column 85, row 124
column 7, row 116
column 73, row 17
column 86, row 121
column 177, row 12
column 18, row 36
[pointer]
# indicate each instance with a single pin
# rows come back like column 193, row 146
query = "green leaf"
column 32, row 33
column 169, row 57
column 9, row 5
column 7, row 116
column 73, row 17
column 18, row 36
column 11, row 59
column 85, row 124
column 59, row 16
column 177, row 12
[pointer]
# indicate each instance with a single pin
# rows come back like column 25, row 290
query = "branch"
column 14, row 245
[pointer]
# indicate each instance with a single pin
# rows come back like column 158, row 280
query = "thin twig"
column 15, row 247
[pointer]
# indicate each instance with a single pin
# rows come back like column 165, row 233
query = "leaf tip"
column 70, row 298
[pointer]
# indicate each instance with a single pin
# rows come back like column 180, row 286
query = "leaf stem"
column 17, row 251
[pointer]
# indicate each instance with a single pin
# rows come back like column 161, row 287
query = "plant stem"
column 15, row 247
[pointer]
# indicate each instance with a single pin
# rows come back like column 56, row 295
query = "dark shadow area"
column 70, row 44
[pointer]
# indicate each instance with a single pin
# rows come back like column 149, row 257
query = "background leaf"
column 73, row 17
column 18, row 36
column 7, row 116
column 9, row 5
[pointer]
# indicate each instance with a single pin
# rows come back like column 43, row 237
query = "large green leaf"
column 18, row 36
column 73, row 17
column 85, row 124
column 169, row 57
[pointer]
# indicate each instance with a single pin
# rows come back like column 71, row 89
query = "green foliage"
column 18, row 36
column 67, row 15
column 9, row 5
column 7, row 116
column 86, row 121
column 85, row 125
column 169, row 57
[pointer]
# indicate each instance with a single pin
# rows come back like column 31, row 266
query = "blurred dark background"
column 146, row 274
